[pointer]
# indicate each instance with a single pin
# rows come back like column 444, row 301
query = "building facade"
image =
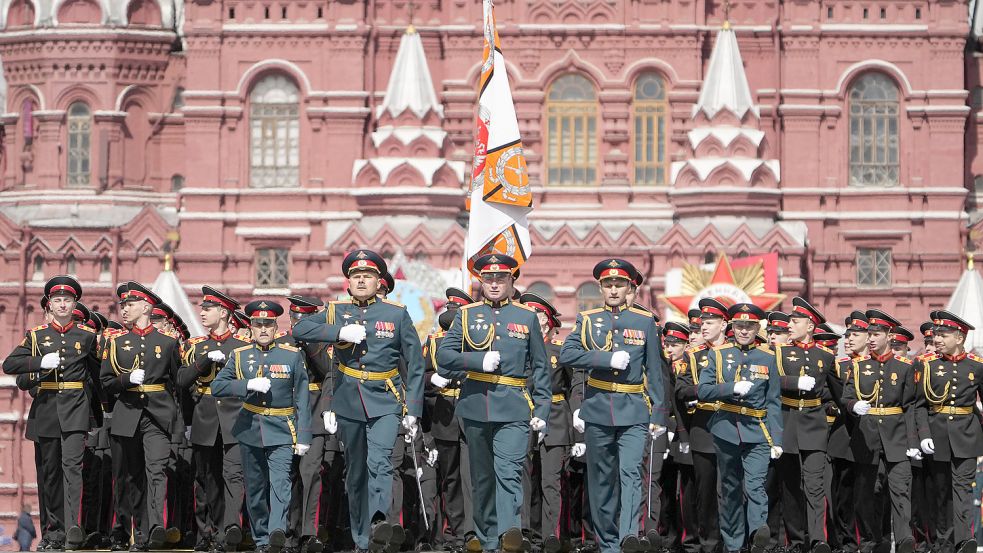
column 274, row 136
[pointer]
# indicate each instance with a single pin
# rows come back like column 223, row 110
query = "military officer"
column 65, row 353
column 367, row 401
column 273, row 424
column 216, row 455
column 549, row 454
column 880, row 389
column 454, row 472
column 949, row 427
column 742, row 382
column 680, row 514
column 496, row 348
column 804, row 367
column 139, row 367
column 620, row 348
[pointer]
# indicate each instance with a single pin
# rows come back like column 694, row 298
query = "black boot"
column 760, row 539
column 277, row 540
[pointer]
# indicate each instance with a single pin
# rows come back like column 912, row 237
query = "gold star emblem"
column 127, row 347
column 867, row 373
column 262, row 305
column 493, row 259
column 940, row 373
column 612, row 263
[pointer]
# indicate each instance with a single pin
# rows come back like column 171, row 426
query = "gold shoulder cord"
column 930, row 395
column 692, row 369
column 778, row 361
column 238, row 367
column 874, row 392
column 720, row 370
column 484, row 344
column 115, row 363
column 35, row 348
column 586, row 333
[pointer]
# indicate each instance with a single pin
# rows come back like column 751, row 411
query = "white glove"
column 578, row 449
column 407, row 439
column 619, row 360
column 432, row 456
column 671, row 435
column 409, row 423
column 684, row 447
column 776, row 451
column 655, row 430
column 540, row 436
column 578, row 423
column 50, row 360
column 330, row 422
column 261, row 384
column 301, row 449
column 537, row 424
column 187, row 433
column 742, row 388
column 665, row 454
column 136, row 377
column 439, row 381
column 216, row 355
column 419, row 472
column 806, row 383
column 914, row 453
column 352, row 333
column 692, row 403
column 861, row 407
column 928, row 446
column 490, row 361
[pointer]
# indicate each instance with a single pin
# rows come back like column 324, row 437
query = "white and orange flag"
column 500, row 198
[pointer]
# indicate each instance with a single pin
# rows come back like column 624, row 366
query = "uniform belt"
column 615, row 386
column 450, row 392
column 61, row 385
column 884, row 411
column 204, row 390
column 367, row 375
column 740, row 410
column 497, row 379
column 558, row 398
column 951, row 410
column 712, row 406
column 830, row 419
column 269, row 411
column 314, row 387
column 147, row 388
column 801, row 403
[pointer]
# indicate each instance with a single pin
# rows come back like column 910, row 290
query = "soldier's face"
column 949, row 342
column 779, row 338
column 878, row 341
column 745, row 331
column 136, row 309
column 544, row 323
column 711, row 328
column 696, row 338
column 800, row 328
column 212, row 316
column 675, row 350
column 856, row 341
column 61, row 306
column 363, row 284
column 930, row 346
column 263, row 331
column 615, row 291
column 496, row 286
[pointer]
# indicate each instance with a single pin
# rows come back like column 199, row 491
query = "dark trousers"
column 577, row 518
column 705, row 472
column 146, row 455
column 924, row 506
column 541, row 480
column 776, row 524
column 842, row 525
column 953, row 482
column 332, row 516
column 870, row 510
column 218, row 473
column 689, row 509
column 789, row 471
column 418, row 532
column 652, row 463
column 181, row 493
column 399, row 454
column 61, row 460
column 454, row 477
column 50, row 494
column 125, row 503
column 803, row 495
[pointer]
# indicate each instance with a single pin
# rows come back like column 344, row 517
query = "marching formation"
column 741, row 430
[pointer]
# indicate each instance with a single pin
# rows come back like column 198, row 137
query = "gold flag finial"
column 969, row 261
column 726, row 14
column 412, row 8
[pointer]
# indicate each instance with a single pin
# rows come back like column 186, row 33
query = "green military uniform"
column 745, row 429
column 618, row 406
column 269, row 424
column 367, row 397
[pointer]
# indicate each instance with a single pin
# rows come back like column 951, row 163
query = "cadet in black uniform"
column 678, row 523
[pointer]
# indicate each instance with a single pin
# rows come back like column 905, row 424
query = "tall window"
column 79, row 144
column 71, row 266
column 542, row 290
column 873, row 267
column 874, row 131
column 274, row 133
column 571, row 111
column 105, row 268
column 650, row 112
column 38, row 268
column 589, row 296
column 272, row 268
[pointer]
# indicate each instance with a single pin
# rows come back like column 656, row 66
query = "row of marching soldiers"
column 342, row 432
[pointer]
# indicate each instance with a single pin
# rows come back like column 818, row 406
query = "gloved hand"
column 655, row 430
column 578, row 450
column 671, row 435
column 136, row 377
column 409, row 423
column 490, row 361
column 578, row 423
column 50, row 360
column 691, row 404
column 216, row 355
column 776, row 451
column 187, row 433
column 431, row 456
column 861, row 407
column 928, row 446
column 742, row 388
column 352, row 333
column 619, row 360
column 439, row 381
column 537, row 424
column 914, row 453
column 806, row 383
column 301, row 449
column 684, row 447
column 261, row 384
column 330, row 422
column 665, row 454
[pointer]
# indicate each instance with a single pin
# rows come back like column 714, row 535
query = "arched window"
column 542, row 290
column 874, row 131
column 143, row 13
column 105, row 269
column 71, row 266
column 20, row 14
column 274, row 133
column 79, row 144
column 80, row 12
column 38, row 268
column 571, row 112
column 589, row 296
column 650, row 113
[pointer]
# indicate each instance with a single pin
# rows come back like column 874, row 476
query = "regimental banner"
column 751, row 279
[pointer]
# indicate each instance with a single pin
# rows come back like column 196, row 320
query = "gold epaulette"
column 86, row 328
column 903, row 359
column 591, row 311
column 696, row 349
column 765, row 349
column 111, row 333
column 925, row 357
column 40, row 327
column 197, row 339
column 826, row 349
column 970, row 355
column 288, row 347
column 477, row 303
column 242, row 348
column 634, row 309
column 171, row 334
column 843, row 359
column 524, row 306
column 679, row 364
column 556, row 342
column 391, row 302
column 724, row 346
column 280, row 334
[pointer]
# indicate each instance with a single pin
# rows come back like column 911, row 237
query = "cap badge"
column 612, row 263
column 493, row 259
column 361, row 255
column 262, row 305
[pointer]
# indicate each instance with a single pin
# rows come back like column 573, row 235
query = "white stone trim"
column 269, row 215
column 874, row 27
column 891, row 68
column 867, row 215
column 292, row 68
column 256, row 232
column 287, row 26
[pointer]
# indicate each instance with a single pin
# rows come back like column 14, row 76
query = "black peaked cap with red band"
column 136, row 291
column 63, row 284
column 901, row 334
column 878, row 318
column 540, row 304
column 616, row 268
column 364, row 260
column 677, row 331
column 778, row 321
column 712, row 307
column 213, row 298
column 947, row 319
column 304, row 304
column 456, row 296
column 802, row 308
column 857, row 321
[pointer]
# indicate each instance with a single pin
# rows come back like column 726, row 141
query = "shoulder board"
column 843, row 359
column 929, row 357
column 826, row 349
column 242, row 340
column 171, row 334
column 863, row 357
column 280, row 334
column 197, row 339
column 696, row 349
column 765, row 349
column 641, row 312
column 243, row 348
column 288, row 347
column 680, row 363
column 557, row 342
column 475, row 304
column 970, row 355
column 391, row 302
column 37, row 328
column 86, row 328
column 337, row 302
column 440, row 334
column 524, row 306
column 723, row 346
column 591, row 311
column 903, row 359
column 114, row 332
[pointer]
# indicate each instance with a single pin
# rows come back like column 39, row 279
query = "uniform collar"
column 804, row 345
column 499, row 304
column 220, row 338
column 617, row 309
column 62, row 329
column 957, row 357
column 748, row 347
column 143, row 331
column 364, row 303
column 882, row 358
column 268, row 347
column 857, row 356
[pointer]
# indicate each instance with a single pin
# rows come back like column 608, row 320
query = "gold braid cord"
column 930, row 395
column 585, row 334
column 484, row 344
column 875, row 391
column 115, row 364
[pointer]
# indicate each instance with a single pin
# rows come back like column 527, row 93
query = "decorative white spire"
column 967, row 303
column 410, row 86
column 169, row 288
column 725, row 86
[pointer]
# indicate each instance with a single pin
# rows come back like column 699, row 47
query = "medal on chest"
column 384, row 329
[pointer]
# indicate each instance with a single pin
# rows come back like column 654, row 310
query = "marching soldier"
column 901, row 340
column 139, row 367
column 742, row 381
column 544, row 471
column 804, row 368
column 950, row 430
column 620, row 348
column 216, row 453
column 65, row 354
column 273, row 424
column 880, row 389
column 495, row 347
column 677, row 472
column 366, row 403
column 777, row 332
